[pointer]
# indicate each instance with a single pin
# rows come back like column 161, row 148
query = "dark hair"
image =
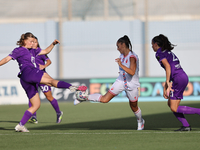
column 38, row 45
column 24, row 37
column 125, row 39
column 163, row 42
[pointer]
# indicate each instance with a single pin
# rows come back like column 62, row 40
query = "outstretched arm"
column 5, row 60
column 48, row 49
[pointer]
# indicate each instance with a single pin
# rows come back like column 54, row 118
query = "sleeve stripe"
column 133, row 57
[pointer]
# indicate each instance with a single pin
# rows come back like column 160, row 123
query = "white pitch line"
column 108, row 133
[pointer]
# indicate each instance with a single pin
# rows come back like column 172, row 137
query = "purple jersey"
column 172, row 60
column 30, row 75
column 40, row 59
column 24, row 57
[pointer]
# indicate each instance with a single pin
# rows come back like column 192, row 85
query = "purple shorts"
column 32, row 75
column 30, row 78
column 180, row 82
column 45, row 88
column 30, row 88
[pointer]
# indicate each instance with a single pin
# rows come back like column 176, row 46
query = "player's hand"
column 167, row 89
column 169, row 84
column 165, row 95
column 56, row 42
column 165, row 92
column 41, row 67
column 118, row 60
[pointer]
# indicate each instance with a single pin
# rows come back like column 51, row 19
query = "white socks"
column 94, row 97
column 138, row 115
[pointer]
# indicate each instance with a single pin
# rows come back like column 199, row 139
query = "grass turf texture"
column 95, row 126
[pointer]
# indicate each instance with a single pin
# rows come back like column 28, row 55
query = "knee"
column 37, row 106
column 134, row 108
column 173, row 109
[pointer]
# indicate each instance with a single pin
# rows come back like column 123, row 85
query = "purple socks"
column 54, row 103
column 182, row 119
column 185, row 110
column 34, row 114
column 188, row 110
column 62, row 84
column 26, row 117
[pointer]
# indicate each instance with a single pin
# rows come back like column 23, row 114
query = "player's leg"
column 179, row 84
column 33, row 75
column 33, row 119
column 93, row 97
column 115, row 89
column 174, row 104
column 35, row 101
column 133, row 102
column 101, row 98
column 47, row 92
column 48, row 80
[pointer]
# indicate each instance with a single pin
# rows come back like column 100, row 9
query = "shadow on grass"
column 164, row 121
column 9, row 121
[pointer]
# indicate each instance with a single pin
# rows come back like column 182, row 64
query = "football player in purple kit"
column 40, row 62
column 176, row 79
column 30, row 76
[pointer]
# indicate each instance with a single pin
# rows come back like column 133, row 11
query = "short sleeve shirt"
column 24, row 57
column 172, row 60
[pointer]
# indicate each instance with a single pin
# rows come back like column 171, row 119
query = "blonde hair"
column 24, row 37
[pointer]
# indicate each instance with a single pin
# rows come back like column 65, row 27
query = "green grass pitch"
column 95, row 126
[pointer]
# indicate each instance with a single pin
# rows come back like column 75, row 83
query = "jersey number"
column 174, row 57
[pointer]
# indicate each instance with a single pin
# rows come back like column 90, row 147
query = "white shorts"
column 118, row 87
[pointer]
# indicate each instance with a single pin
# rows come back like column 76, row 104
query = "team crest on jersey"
column 126, row 60
column 158, row 58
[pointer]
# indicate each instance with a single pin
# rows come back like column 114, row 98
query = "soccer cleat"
column 82, row 88
column 59, row 117
column 184, row 129
column 141, row 125
column 19, row 128
column 33, row 120
column 75, row 88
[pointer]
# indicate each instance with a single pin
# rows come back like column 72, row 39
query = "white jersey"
column 130, row 82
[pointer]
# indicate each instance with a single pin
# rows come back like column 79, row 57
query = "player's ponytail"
column 24, row 37
column 125, row 39
column 163, row 42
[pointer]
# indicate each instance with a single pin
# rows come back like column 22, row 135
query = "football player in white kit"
column 128, row 81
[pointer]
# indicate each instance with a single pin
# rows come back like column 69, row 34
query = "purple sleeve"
column 161, row 56
column 45, row 57
column 37, row 51
column 15, row 53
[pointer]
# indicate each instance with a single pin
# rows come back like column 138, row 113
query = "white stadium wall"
column 90, row 46
column 11, row 92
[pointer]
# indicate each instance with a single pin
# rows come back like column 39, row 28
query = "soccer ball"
column 82, row 95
